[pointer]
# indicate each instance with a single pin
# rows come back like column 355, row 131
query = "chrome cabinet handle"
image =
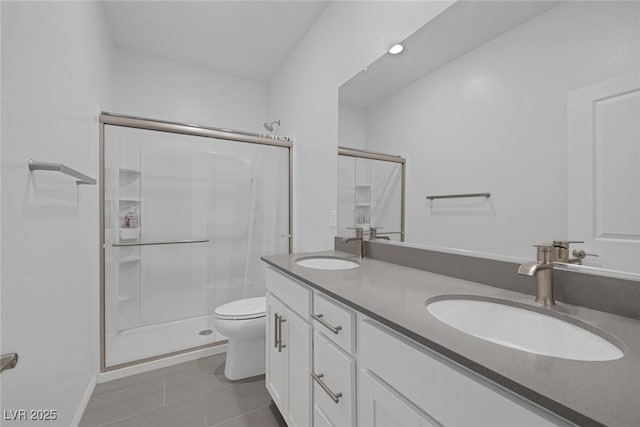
column 318, row 378
column 275, row 330
column 281, row 320
column 319, row 317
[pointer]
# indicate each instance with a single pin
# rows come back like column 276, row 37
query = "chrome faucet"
column 542, row 269
column 374, row 235
column 561, row 252
column 359, row 242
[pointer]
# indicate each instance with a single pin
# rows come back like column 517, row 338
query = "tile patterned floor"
column 192, row 394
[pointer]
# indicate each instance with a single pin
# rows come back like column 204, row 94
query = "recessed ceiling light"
column 396, row 49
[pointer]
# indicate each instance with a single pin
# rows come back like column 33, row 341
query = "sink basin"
column 327, row 263
column 523, row 329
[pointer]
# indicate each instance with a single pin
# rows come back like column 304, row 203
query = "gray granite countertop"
column 586, row 393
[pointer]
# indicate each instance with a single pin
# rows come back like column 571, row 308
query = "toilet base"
column 245, row 358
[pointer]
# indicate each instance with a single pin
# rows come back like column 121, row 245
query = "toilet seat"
column 244, row 309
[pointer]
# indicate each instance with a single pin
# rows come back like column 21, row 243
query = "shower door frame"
column 112, row 119
column 372, row 155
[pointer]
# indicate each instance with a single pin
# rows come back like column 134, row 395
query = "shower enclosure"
column 186, row 213
column 371, row 193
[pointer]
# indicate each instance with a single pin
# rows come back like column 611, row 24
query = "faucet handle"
column 565, row 243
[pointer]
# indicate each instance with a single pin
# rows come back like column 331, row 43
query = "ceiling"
column 459, row 29
column 248, row 39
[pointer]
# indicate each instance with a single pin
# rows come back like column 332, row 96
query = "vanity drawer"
column 445, row 391
column 288, row 290
column 320, row 419
column 335, row 321
column 334, row 383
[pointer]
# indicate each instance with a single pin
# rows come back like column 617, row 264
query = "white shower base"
column 154, row 340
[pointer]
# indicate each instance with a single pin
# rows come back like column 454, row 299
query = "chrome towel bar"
column 169, row 242
column 459, row 196
column 35, row 165
column 8, row 361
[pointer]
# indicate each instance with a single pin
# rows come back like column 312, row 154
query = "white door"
column 297, row 353
column 275, row 359
column 604, row 172
column 379, row 406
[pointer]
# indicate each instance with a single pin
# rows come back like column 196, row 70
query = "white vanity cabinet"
column 334, row 363
column 380, row 406
column 331, row 366
column 288, row 355
column 425, row 389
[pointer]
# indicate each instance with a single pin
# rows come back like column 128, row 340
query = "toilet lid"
column 249, row 308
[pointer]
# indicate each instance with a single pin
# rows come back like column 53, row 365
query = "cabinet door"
column 275, row 359
column 379, row 406
column 297, row 361
column 448, row 393
column 320, row 419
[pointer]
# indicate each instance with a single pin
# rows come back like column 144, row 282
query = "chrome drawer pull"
column 329, row 326
column 334, row 396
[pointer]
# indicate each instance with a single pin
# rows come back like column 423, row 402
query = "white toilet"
column 243, row 323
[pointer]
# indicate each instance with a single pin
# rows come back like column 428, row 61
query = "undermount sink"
column 327, row 263
column 523, row 329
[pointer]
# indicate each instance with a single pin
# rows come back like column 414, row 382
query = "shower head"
column 270, row 126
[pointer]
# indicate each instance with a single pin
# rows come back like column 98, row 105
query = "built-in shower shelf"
column 130, row 199
column 129, row 233
column 130, row 259
column 130, row 171
column 363, row 185
column 363, row 204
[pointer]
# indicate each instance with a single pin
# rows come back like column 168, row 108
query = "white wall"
column 166, row 90
column 304, row 96
column 351, row 126
column 55, row 72
column 494, row 121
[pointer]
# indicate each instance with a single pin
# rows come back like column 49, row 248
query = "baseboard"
column 84, row 402
column 104, row 377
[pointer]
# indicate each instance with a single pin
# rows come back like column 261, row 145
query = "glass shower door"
column 186, row 220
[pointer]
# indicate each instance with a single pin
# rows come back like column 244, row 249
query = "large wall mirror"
column 535, row 103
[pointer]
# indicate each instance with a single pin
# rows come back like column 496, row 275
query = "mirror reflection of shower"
column 272, row 126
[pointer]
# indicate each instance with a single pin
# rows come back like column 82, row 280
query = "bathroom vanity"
column 357, row 347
